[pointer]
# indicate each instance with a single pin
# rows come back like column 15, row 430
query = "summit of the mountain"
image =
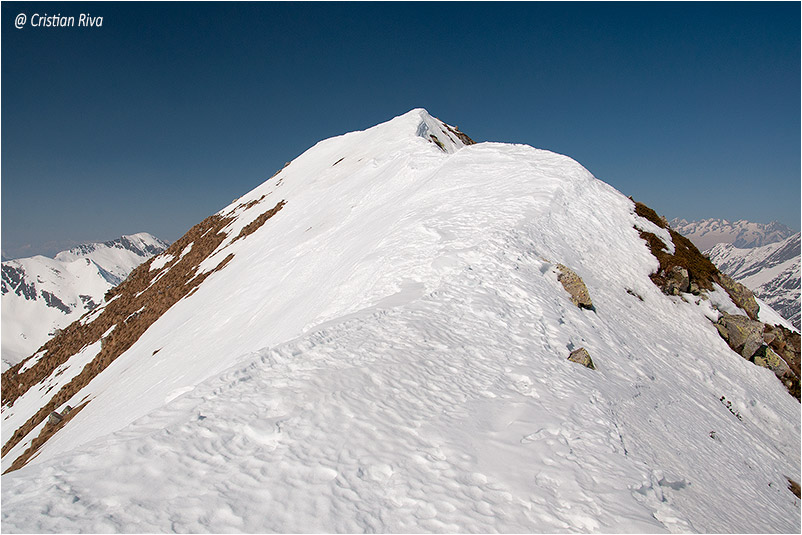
column 378, row 337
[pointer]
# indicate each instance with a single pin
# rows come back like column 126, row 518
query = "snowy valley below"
column 377, row 339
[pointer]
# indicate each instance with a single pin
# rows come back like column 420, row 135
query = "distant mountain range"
column 742, row 234
column 41, row 295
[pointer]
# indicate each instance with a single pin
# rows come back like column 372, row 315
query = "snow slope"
column 41, row 295
column 388, row 352
column 771, row 271
column 742, row 234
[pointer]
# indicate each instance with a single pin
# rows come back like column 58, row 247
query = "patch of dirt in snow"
column 460, row 135
column 254, row 225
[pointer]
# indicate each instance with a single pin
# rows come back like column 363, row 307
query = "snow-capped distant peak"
column 141, row 244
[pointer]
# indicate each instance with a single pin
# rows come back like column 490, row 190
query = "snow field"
column 456, row 412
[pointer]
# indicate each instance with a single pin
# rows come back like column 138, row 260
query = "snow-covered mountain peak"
column 448, row 138
column 115, row 255
column 387, row 321
column 406, row 131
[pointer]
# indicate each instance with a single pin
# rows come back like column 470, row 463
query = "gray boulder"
column 581, row 356
column 740, row 295
column 677, row 281
column 767, row 358
column 575, row 286
column 743, row 335
column 54, row 418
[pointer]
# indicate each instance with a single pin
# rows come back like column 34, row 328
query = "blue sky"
column 167, row 112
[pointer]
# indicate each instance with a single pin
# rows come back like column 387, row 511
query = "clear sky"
column 167, row 112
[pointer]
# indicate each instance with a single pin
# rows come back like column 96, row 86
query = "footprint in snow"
column 523, row 385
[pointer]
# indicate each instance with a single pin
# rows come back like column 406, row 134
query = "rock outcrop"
column 678, row 281
column 581, row 356
column 743, row 335
column 687, row 269
column 772, row 347
column 767, row 358
column 772, row 272
column 683, row 270
column 575, row 286
column 740, row 295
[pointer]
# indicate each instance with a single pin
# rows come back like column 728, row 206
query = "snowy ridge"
column 742, row 234
column 117, row 257
column 41, row 295
column 771, row 271
column 380, row 343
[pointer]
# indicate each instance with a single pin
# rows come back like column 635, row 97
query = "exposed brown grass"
column 252, row 203
column 254, row 225
column 141, row 290
column 700, row 269
column 647, row 213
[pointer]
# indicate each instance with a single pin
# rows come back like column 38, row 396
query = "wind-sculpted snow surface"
column 389, row 353
column 450, row 411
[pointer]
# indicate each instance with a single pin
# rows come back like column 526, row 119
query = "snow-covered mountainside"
column 742, row 234
column 377, row 339
column 771, row 271
column 41, row 295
